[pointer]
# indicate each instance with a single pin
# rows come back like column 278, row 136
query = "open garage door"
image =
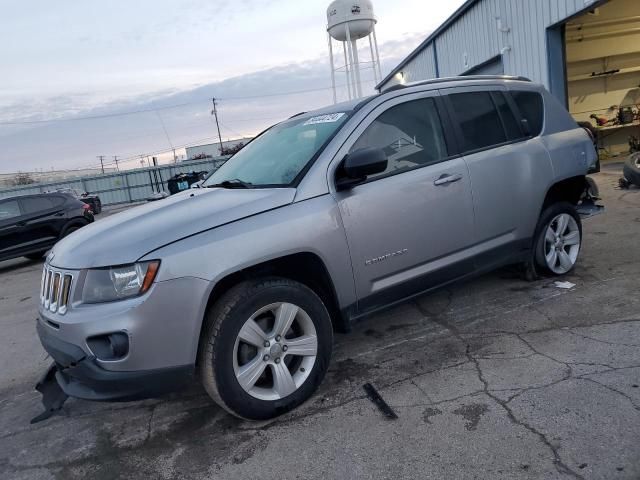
column 603, row 74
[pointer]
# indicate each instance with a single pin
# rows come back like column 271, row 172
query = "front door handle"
column 447, row 179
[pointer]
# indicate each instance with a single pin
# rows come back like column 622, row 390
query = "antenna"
column 347, row 22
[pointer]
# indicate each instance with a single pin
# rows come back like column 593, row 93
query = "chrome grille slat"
column 55, row 291
column 47, row 289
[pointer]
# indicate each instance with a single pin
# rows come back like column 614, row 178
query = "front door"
column 409, row 227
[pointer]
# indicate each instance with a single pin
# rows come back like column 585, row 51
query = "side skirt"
column 512, row 253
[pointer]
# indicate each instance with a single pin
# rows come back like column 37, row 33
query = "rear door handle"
column 447, row 179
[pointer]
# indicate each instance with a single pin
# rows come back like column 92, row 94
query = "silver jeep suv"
column 322, row 219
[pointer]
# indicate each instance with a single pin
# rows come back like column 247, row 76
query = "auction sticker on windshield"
column 329, row 118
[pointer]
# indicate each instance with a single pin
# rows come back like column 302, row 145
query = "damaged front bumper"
column 588, row 209
column 76, row 374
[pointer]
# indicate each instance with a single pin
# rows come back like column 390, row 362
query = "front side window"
column 531, row 108
column 410, row 134
column 478, row 118
column 9, row 209
column 279, row 155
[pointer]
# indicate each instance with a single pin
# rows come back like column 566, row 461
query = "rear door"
column 505, row 168
column 408, row 227
column 43, row 217
column 10, row 220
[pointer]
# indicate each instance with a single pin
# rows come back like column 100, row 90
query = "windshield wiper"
column 235, row 183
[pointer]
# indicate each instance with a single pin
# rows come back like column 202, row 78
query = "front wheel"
column 558, row 239
column 266, row 347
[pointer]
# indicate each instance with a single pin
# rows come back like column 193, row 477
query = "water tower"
column 347, row 22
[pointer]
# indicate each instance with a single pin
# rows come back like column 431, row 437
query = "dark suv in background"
column 32, row 224
column 90, row 199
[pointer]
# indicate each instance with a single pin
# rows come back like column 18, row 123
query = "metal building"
column 212, row 150
column 586, row 52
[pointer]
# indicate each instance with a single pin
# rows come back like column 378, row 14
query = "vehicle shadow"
column 9, row 266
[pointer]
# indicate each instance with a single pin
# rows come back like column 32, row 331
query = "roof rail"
column 454, row 79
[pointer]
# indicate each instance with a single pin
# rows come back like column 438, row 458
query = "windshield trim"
column 298, row 179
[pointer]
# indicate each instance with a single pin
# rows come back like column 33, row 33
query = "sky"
column 161, row 62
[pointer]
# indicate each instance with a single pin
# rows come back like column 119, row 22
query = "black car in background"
column 92, row 200
column 30, row 225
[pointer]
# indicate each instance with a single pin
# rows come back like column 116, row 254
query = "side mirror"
column 525, row 127
column 358, row 165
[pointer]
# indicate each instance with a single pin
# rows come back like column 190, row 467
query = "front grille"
column 55, row 291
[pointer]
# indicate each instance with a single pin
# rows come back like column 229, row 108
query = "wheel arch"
column 566, row 190
column 306, row 268
column 74, row 222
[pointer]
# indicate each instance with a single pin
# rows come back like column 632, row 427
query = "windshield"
column 279, row 155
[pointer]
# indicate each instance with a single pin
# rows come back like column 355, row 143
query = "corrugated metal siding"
column 421, row 67
column 475, row 38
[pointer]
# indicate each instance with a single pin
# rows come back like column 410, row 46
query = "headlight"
column 118, row 283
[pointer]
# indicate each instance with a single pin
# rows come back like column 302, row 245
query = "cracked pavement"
column 494, row 378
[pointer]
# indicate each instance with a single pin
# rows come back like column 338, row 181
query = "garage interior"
column 602, row 52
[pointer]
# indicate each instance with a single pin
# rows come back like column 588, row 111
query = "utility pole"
column 101, row 157
column 115, row 159
column 215, row 113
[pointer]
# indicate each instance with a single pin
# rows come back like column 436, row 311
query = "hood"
column 127, row 236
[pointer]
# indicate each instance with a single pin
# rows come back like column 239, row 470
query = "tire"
column 566, row 243
column 631, row 169
column 36, row 255
column 225, row 359
column 70, row 229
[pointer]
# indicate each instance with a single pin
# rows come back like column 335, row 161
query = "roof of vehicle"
column 46, row 194
column 353, row 105
column 467, row 79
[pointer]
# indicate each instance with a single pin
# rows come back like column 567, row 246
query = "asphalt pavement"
column 496, row 378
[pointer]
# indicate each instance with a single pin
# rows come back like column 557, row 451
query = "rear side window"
column 57, row 201
column 410, row 134
column 479, row 120
column 508, row 118
column 36, row 204
column 531, row 108
column 9, row 209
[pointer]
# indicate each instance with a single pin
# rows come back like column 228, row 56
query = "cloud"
column 74, row 143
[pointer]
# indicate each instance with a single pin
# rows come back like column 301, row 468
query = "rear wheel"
column 266, row 347
column 559, row 239
column 69, row 230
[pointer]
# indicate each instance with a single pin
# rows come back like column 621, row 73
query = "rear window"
column 479, row 120
column 531, row 107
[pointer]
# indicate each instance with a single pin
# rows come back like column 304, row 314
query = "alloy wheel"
column 275, row 351
column 562, row 243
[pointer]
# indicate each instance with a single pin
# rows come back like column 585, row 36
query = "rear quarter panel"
column 570, row 147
